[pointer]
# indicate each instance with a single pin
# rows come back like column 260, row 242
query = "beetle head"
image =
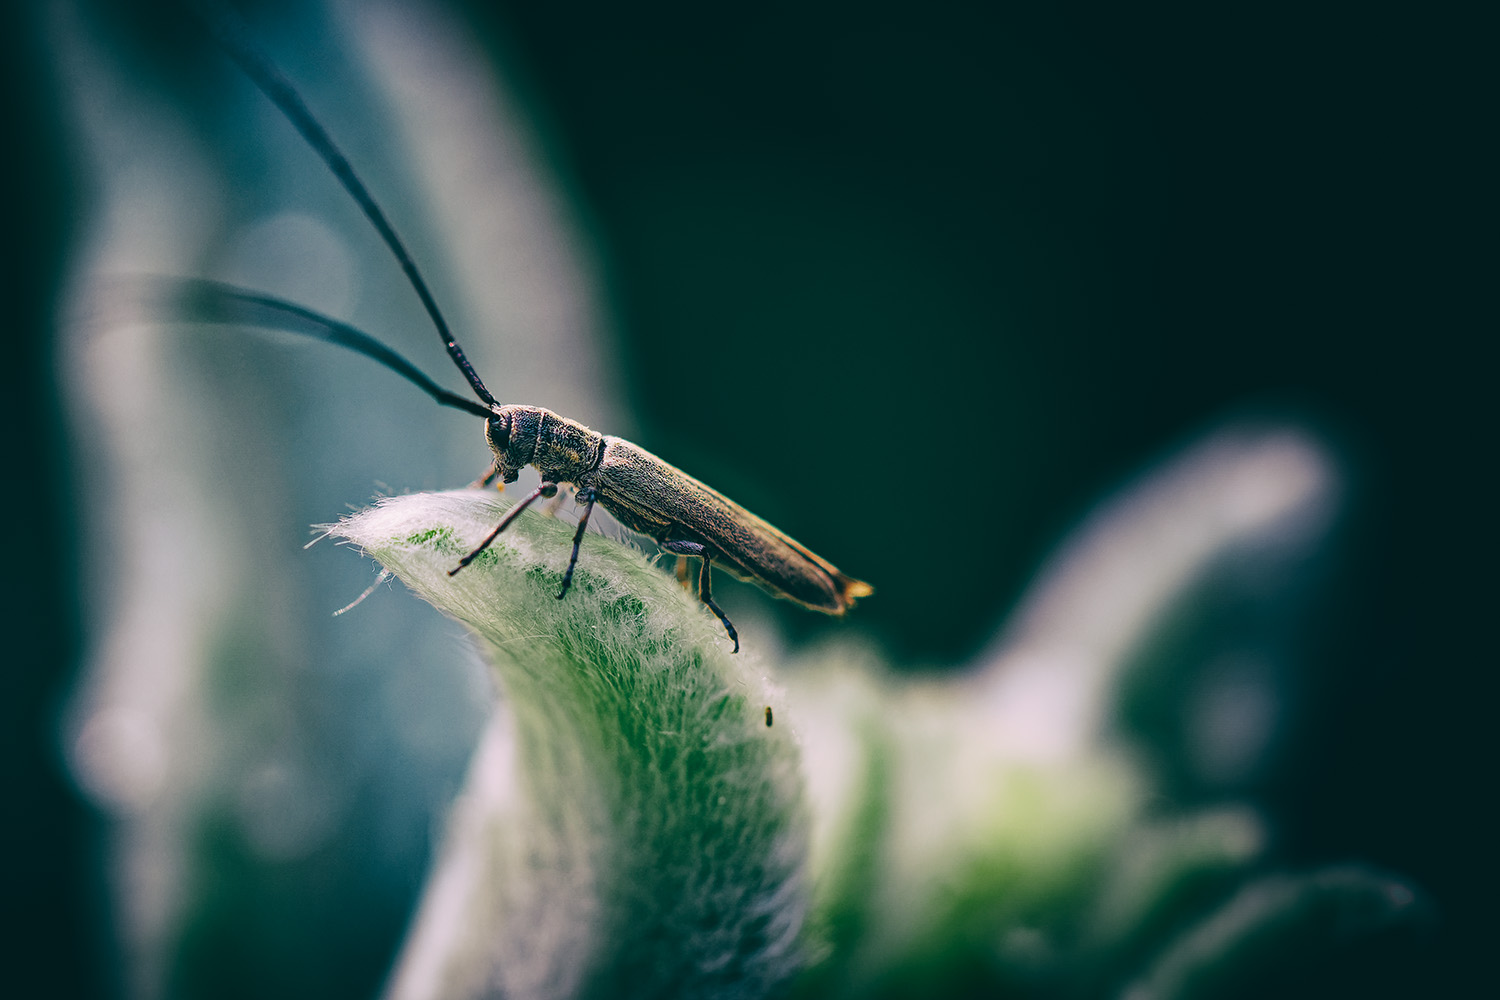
column 511, row 434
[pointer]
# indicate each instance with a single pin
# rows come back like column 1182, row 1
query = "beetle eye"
column 497, row 432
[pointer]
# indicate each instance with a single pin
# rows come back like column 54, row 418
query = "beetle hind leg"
column 705, row 594
column 705, row 582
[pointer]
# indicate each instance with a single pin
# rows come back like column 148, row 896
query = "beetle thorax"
column 562, row 450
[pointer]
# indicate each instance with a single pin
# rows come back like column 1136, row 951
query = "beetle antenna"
column 215, row 302
column 233, row 37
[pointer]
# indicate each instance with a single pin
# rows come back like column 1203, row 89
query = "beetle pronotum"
column 684, row 516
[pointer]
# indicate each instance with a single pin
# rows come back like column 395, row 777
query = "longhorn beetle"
column 646, row 494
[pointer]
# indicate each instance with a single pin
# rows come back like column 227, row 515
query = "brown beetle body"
column 649, row 495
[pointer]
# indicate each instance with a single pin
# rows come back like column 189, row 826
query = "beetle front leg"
column 588, row 496
column 544, row 490
column 705, row 582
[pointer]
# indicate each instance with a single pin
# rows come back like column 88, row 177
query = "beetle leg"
column 705, row 594
column 682, row 571
column 555, row 504
column 487, row 479
column 588, row 496
column 705, row 583
column 544, row 490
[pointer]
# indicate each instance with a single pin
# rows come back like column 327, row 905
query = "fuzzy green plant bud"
column 631, row 826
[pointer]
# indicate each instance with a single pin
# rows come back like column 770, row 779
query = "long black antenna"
column 206, row 301
column 231, row 34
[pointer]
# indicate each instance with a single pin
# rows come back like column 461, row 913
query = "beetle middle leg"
column 551, row 507
column 705, row 581
column 588, row 496
column 545, row 490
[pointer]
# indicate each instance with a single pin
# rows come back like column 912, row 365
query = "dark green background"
column 920, row 283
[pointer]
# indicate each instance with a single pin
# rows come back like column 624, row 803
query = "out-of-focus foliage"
column 629, row 828
column 916, row 287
